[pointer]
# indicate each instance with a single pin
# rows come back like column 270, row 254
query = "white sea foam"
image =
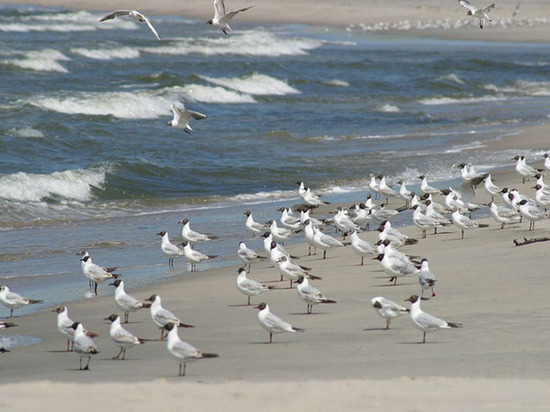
column 250, row 43
column 108, row 54
column 255, row 83
column 337, row 83
column 26, row 132
column 127, row 105
column 263, row 196
column 73, row 185
column 388, row 108
column 43, row 60
column 452, row 77
column 434, row 101
column 209, row 94
column 522, row 88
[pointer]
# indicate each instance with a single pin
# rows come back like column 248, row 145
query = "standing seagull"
column 247, row 255
column 426, row 278
column 97, row 274
column 121, row 337
column 191, row 236
column 360, row 247
column 13, row 300
column 65, row 325
column 473, row 11
column 272, row 323
column 387, row 309
column 252, row 226
column 249, row 287
column 183, row 351
column 221, row 18
column 162, row 317
column 133, row 14
column 310, row 295
column 426, row 322
column 126, row 302
column 83, row 344
column 464, row 222
column 182, row 117
column 169, row 249
column 194, row 256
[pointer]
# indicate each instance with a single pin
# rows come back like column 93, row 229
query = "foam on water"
column 68, row 185
column 43, row 60
column 434, row 101
column 255, row 83
column 452, row 77
column 209, row 94
column 252, row 43
column 337, row 83
column 25, row 132
column 388, row 108
column 108, row 54
column 522, row 88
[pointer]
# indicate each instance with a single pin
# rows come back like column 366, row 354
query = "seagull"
column 524, row 169
column 13, row 300
column 288, row 220
column 473, row 11
column 247, row 255
column 387, row 248
column 133, row 14
column 425, row 187
column 272, row 323
column 426, row 278
column 183, row 351
column 491, row 188
column 343, row 222
column 221, row 18
column 64, row 324
column 312, row 199
column 426, row 322
column 275, row 250
column 385, row 190
column 3, row 349
column 126, row 302
column 249, row 287
column 360, row 247
column 531, row 212
column 97, row 274
column 374, row 186
column 404, row 193
column 309, row 233
column 324, row 241
column 310, row 295
column 83, row 344
column 121, row 337
column 5, row 325
column 194, row 256
column 395, row 266
column 436, row 216
column 503, row 214
column 191, row 236
column 280, row 234
column 162, row 317
column 387, row 309
column 291, row 271
column 546, row 161
column 169, row 249
column 182, row 117
column 422, row 221
column 542, row 199
column 394, row 236
column 251, row 225
column 464, row 222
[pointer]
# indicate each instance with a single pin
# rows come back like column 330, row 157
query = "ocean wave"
column 388, row 108
column 255, row 84
column 46, row 60
column 250, row 43
column 452, row 78
column 72, row 185
column 434, row 101
column 337, row 83
column 108, row 54
column 209, row 94
column 522, row 88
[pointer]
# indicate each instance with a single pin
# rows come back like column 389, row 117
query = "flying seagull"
column 182, row 117
column 133, row 14
column 221, row 18
column 473, row 11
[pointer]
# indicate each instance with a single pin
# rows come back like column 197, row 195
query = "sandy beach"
column 344, row 359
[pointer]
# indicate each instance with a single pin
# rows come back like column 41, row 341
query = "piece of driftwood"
column 529, row 241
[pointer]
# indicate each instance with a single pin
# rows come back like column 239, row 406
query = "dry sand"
column 344, row 360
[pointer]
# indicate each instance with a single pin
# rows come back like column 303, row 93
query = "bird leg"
column 119, row 353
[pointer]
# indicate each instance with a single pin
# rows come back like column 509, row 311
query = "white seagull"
column 83, row 345
column 425, row 187
column 97, row 274
column 291, row 271
column 426, row 278
column 426, row 322
column 360, row 247
column 169, row 249
column 248, row 286
column 183, row 351
column 251, row 225
column 194, row 256
column 64, row 325
column 13, row 300
column 503, row 214
column 221, row 18
column 481, row 14
column 121, row 337
column 395, row 266
column 272, row 323
column 247, row 255
column 126, row 302
column 524, row 169
column 491, row 188
column 387, row 309
column 531, row 212
column 182, row 116
column 133, row 14
column 464, row 222
column 162, row 317
column 310, row 295
column 191, row 236
column 324, row 241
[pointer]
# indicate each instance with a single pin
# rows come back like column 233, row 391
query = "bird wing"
column 219, row 9
column 115, row 14
column 427, row 321
column 183, row 350
column 150, row 25
column 176, row 112
column 123, row 336
column 232, row 13
column 489, row 8
column 164, row 316
column 274, row 322
column 466, row 4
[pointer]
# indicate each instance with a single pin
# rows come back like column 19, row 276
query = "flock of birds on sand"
column 345, row 222
column 427, row 214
